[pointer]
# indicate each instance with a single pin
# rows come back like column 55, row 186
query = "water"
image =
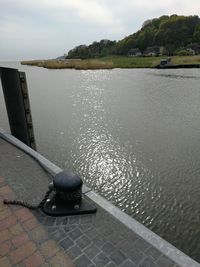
column 133, row 135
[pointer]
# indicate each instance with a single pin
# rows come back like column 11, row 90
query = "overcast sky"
column 36, row 29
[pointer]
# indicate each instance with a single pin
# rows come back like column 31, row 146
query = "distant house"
column 193, row 49
column 190, row 51
column 134, row 52
column 152, row 51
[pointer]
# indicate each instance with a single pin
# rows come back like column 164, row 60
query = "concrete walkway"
column 35, row 239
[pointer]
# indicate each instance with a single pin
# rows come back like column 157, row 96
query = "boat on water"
column 166, row 63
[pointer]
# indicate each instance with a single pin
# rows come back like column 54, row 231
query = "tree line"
column 171, row 33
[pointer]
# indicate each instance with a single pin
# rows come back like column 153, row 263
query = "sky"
column 42, row 29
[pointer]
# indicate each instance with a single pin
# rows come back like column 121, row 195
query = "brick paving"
column 31, row 238
column 23, row 240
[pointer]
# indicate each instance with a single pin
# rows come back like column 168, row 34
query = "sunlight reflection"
column 106, row 165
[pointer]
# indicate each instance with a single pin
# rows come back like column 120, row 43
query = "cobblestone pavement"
column 35, row 239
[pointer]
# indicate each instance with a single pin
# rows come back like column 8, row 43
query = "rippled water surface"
column 133, row 135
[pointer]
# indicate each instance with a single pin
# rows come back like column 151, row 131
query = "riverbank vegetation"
column 111, row 62
column 71, row 64
column 177, row 37
column 166, row 35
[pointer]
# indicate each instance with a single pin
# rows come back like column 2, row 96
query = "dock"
column 178, row 66
column 107, row 238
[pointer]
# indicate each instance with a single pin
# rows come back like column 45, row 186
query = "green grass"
column 111, row 62
column 134, row 62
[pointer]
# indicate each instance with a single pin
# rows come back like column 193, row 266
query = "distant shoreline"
column 112, row 62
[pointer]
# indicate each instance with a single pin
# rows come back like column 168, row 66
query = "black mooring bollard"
column 66, row 198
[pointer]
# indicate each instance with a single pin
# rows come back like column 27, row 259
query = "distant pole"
column 17, row 104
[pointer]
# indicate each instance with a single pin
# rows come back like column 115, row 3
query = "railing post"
column 17, row 104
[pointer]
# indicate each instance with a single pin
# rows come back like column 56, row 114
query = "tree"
column 196, row 34
column 171, row 32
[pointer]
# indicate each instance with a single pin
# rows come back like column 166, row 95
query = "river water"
column 132, row 134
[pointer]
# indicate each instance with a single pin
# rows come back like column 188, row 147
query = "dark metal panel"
column 13, row 95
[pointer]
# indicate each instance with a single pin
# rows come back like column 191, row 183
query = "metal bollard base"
column 55, row 206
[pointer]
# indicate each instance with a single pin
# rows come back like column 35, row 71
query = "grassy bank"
column 111, row 62
column 186, row 59
column 71, row 64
